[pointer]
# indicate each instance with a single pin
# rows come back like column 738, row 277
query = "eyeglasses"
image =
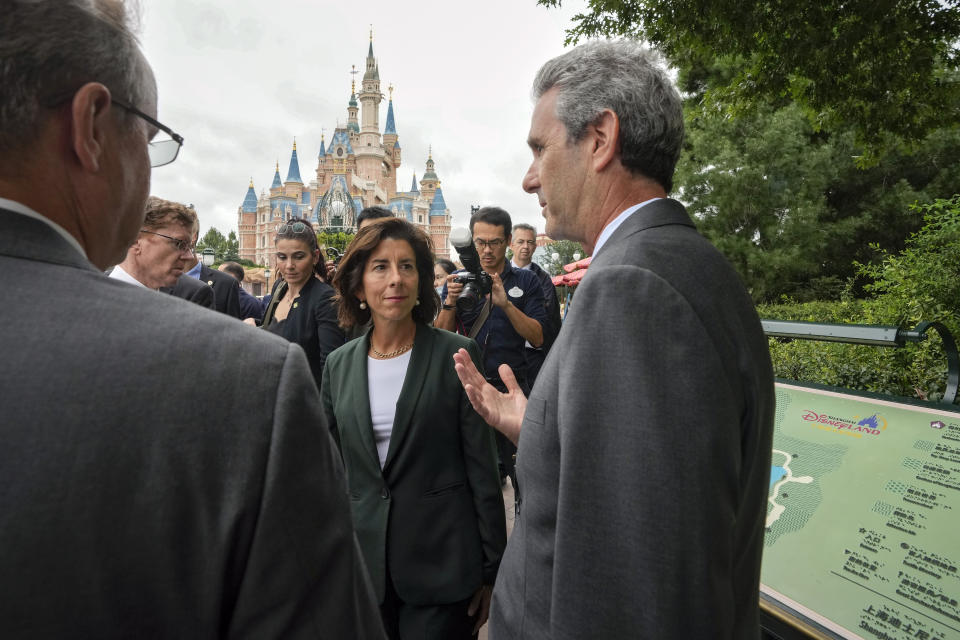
column 493, row 244
column 182, row 246
column 162, row 151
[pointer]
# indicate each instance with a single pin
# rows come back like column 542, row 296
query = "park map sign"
column 863, row 517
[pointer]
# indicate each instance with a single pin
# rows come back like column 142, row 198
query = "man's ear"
column 89, row 112
column 605, row 138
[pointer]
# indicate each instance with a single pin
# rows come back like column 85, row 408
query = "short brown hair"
column 162, row 212
column 349, row 277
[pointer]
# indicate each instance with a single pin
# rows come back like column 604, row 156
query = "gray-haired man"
column 644, row 451
column 136, row 501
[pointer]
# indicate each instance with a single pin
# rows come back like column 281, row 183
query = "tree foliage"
column 564, row 250
column 224, row 248
column 916, row 284
column 887, row 70
column 789, row 208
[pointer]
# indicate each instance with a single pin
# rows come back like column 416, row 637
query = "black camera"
column 334, row 255
column 476, row 282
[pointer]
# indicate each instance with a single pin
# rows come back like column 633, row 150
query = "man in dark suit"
column 226, row 291
column 136, row 502
column 523, row 243
column 644, row 448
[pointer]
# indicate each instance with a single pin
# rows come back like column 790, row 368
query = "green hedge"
column 920, row 283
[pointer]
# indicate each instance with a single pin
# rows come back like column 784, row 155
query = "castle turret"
column 430, row 182
column 277, row 183
column 293, row 173
column 352, row 124
column 250, row 201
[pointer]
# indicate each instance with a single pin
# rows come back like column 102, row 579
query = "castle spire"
column 391, row 126
column 276, row 177
column 323, row 150
column 249, row 204
column 293, row 173
column 413, row 187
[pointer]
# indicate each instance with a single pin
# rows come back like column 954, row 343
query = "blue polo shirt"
column 499, row 342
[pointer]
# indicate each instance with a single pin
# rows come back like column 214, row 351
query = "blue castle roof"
column 293, row 173
column 340, row 136
column 323, row 151
column 276, row 178
column 413, row 187
column 250, row 201
column 438, row 207
column 391, row 126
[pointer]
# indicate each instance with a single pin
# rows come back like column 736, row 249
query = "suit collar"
column 658, row 213
column 23, row 236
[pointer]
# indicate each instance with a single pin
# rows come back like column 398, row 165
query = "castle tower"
column 352, row 124
column 440, row 225
column 293, row 185
column 369, row 148
column 430, row 182
column 247, row 224
column 322, row 162
column 391, row 146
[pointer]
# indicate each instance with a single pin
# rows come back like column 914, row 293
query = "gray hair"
column 50, row 48
column 625, row 77
column 523, row 226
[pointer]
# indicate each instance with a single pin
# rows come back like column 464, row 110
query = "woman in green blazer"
column 421, row 464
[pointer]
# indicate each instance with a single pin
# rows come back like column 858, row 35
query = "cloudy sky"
column 239, row 80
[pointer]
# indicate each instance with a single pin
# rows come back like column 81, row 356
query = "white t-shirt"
column 384, row 382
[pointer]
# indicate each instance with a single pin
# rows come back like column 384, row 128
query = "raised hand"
column 503, row 411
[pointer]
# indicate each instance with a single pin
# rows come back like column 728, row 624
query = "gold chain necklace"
column 392, row 354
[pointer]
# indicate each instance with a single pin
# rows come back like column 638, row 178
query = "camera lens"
column 469, row 297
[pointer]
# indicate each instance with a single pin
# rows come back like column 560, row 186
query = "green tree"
column 787, row 206
column 232, row 247
column 887, row 70
column 564, row 250
column 338, row 240
column 215, row 240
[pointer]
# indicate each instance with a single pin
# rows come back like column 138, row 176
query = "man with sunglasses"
column 515, row 313
column 165, row 470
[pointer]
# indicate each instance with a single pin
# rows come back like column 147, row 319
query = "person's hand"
column 453, row 289
column 480, row 606
column 331, row 269
column 498, row 294
column 250, row 321
column 502, row 411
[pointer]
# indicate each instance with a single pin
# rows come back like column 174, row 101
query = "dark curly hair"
column 349, row 277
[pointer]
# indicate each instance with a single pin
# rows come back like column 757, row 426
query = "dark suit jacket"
column 226, row 290
column 136, row 503
column 311, row 323
column 644, row 454
column 435, row 509
column 193, row 290
column 551, row 327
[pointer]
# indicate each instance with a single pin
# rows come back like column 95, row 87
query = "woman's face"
column 439, row 276
column 390, row 281
column 295, row 261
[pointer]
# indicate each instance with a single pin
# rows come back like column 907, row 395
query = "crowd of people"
column 328, row 467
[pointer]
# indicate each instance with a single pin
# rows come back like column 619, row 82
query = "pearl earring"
column 418, row 301
column 363, row 305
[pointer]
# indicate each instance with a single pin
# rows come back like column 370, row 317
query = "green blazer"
column 435, row 510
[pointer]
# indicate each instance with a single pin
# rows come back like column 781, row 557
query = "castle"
column 357, row 169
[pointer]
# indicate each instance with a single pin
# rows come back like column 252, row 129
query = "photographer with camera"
column 496, row 304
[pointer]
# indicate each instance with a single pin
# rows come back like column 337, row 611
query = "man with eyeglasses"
column 162, row 252
column 226, row 290
column 523, row 244
column 515, row 315
column 165, row 470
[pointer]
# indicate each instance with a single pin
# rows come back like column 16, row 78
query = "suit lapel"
column 357, row 381
column 410, row 392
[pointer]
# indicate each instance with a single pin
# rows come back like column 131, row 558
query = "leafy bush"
column 920, row 283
